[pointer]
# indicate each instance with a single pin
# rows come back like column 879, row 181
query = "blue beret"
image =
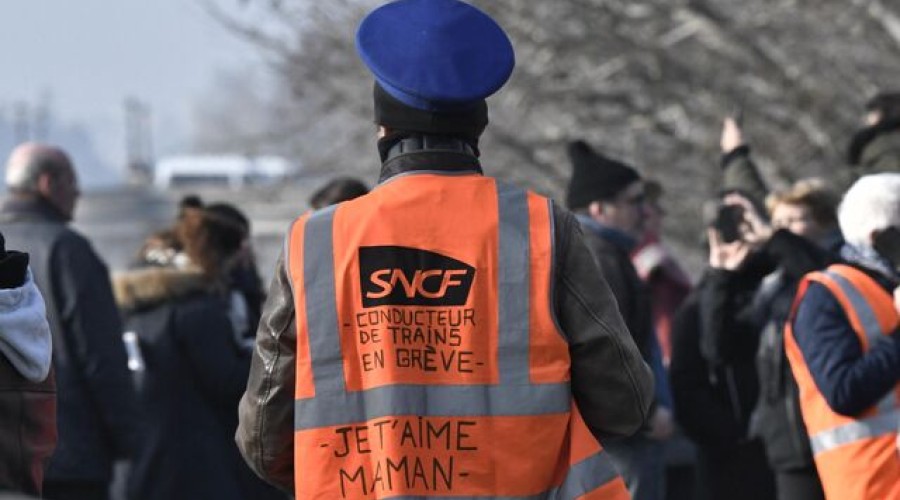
column 435, row 55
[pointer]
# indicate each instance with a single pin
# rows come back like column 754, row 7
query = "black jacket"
column 631, row 293
column 753, row 304
column 713, row 397
column 195, row 372
column 876, row 149
column 96, row 412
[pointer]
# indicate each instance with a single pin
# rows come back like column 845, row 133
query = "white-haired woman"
column 844, row 348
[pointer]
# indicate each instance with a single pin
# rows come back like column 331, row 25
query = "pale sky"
column 90, row 54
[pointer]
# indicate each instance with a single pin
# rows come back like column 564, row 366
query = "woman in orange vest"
column 844, row 349
column 445, row 335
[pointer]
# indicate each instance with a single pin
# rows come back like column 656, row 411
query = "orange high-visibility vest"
column 429, row 363
column 857, row 458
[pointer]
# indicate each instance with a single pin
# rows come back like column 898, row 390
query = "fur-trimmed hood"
column 150, row 286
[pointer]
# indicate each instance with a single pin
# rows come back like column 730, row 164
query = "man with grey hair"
column 96, row 413
column 844, row 348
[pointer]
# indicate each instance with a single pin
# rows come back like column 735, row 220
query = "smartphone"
column 887, row 244
column 728, row 222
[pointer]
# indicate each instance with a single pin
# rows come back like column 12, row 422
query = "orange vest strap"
column 867, row 428
column 861, row 306
column 514, row 395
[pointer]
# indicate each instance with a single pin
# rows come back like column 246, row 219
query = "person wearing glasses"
column 608, row 199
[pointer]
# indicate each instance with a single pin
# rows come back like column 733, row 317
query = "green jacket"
column 876, row 149
column 741, row 174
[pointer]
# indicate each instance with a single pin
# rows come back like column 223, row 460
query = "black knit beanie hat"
column 595, row 177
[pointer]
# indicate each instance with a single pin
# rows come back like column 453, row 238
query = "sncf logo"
column 402, row 276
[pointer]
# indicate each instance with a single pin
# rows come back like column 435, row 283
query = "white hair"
column 871, row 204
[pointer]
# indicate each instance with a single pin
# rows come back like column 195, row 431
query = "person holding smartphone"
column 734, row 391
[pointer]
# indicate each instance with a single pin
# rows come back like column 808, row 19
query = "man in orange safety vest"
column 447, row 334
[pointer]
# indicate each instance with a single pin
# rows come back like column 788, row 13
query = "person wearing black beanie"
column 608, row 191
column 607, row 197
column 595, row 177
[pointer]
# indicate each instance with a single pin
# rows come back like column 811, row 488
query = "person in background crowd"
column 247, row 294
column 553, row 368
column 608, row 200
column 28, row 395
column 843, row 345
column 96, row 407
column 187, row 203
column 669, row 285
column 194, row 371
column 713, row 374
column 336, row 191
column 876, row 148
column 809, row 239
column 668, row 282
column 164, row 248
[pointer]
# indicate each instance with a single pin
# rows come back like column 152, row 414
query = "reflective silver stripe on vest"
column 514, row 284
column 584, row 477
column 321, row 309
column 332, row 409
column 870, row 324
column 873, row 427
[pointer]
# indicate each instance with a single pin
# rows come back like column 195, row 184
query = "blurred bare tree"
column 646, row 81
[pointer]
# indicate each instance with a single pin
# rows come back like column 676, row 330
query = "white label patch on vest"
column 402, row 276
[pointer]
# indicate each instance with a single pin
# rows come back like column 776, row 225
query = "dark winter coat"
column 747, row 308
column 876, row 148
column 777, row 419
column 95, row 400
column 713, row 383
column 631, row 293
column 712, row 404
column 195, row 373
